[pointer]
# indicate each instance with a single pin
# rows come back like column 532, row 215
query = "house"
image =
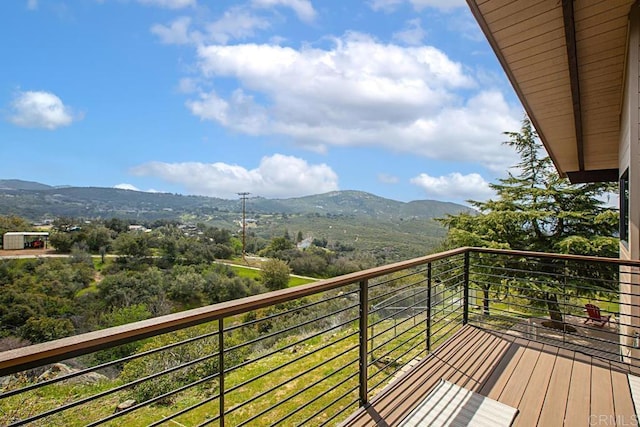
column 305, row 243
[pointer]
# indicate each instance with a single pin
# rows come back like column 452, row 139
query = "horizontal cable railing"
column 290, row 357
column 580, row 303
column 312, row 354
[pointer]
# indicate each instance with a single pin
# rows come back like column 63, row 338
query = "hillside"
column 16, row 184
column 354, row 218
column 34, row 201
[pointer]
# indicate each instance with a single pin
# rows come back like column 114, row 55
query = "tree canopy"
column 537, row 210
column 275, row 274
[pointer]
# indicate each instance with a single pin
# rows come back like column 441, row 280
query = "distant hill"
column 34, row 200
column 16, row 184
column 355, row 218
column 362, row 204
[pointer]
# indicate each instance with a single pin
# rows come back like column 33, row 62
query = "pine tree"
column 537, row 210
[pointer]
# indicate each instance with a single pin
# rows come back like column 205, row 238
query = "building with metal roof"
column 25, row 240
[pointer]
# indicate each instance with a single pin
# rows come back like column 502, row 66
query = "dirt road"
column 28, row 253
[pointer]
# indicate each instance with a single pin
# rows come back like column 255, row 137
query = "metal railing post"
column 429, row 273
column 364, row 328
column 465, row 316
column 221, row 368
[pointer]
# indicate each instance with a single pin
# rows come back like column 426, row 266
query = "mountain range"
column 348, row 216
column 34, row 201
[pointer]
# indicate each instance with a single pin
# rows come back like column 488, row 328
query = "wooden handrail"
column 547, row 255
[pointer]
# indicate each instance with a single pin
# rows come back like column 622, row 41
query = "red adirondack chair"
column 593, row 315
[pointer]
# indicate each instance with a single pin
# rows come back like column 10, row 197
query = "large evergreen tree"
column 537, row 210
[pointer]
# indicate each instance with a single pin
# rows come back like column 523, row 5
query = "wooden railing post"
column 221, row 368
column 364, row 339
column 465, row 316
column 429, row 273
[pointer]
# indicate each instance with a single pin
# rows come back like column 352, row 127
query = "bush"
column 117, row 317
column 42, row 329
column 177, row 356
column 275, row 274
column 187, row 288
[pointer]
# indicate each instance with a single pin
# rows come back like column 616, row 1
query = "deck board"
column 514, row 389
column 602, row 388
column 579, row 397
column 535, row 392
column 419, row 381
column 622, row 402
column 468, row 373
column 555, row 402
column 495, row 383
column 487, row 367
column 548, row 385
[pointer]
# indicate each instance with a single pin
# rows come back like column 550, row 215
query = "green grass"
column 245, row 271
column 252, row 273
column 297, row 281
column 505, row 312
column 255, row 377
column 89, row 289
column 98, row 265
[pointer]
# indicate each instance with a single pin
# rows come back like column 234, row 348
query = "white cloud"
column 454, row 186
column 388, row 179
column 413, row 34
column 236, row 23
column 467, row 26
column 438, row 4
column 187, row 85
column 210, row 107
column 391, row 5
column 125, row 186
column 169, row 4
column 176, row 33
column 276, row 176
column 39, row 109
column 360, row 92
column 32, row 4
column 240, row 112
column 385, row 5
column 303, row 8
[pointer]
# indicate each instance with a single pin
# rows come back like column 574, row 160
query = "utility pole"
column 243, row 197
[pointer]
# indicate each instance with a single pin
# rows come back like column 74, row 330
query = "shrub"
column 42, row 329
column 176, row 356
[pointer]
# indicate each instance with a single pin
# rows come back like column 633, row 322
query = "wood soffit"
column 566, row 60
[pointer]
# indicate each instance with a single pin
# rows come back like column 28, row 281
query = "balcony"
column 360, row 349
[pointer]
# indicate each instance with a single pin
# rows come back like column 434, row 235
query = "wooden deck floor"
column 549, row 386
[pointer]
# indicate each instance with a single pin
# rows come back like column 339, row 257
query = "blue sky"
column 280, row 98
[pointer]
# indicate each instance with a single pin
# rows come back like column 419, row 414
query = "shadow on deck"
column 548, row 385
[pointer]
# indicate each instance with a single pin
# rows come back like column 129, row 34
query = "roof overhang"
column 566, row 61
